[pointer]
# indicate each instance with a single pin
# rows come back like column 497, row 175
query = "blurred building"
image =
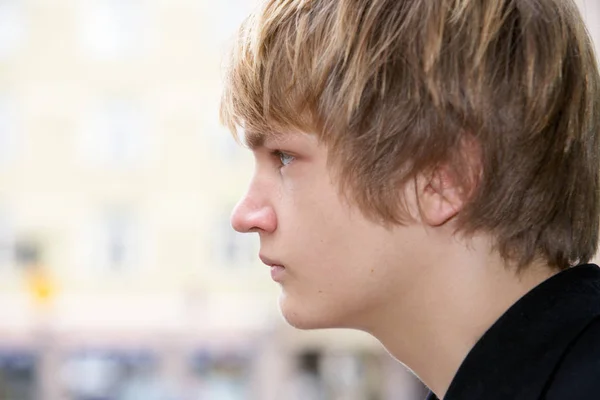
column 120, row 277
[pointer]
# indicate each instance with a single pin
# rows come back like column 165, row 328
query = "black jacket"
column 546, row 346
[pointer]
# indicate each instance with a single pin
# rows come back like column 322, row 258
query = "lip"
column 277, row 273
column 277, row 268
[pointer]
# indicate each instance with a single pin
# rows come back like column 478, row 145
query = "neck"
column 449, row 307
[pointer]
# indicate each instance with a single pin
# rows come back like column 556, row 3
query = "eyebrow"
column 254, row 139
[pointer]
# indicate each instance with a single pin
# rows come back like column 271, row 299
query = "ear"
column 440, row 197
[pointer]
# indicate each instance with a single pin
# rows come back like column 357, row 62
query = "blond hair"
column 394, row 87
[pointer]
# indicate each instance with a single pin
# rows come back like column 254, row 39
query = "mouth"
column 277, row 267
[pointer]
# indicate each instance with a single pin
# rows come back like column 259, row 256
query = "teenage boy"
column 428, row 172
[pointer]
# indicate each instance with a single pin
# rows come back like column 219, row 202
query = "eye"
column 284, row 158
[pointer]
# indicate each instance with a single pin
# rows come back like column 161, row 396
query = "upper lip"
column 269, row 261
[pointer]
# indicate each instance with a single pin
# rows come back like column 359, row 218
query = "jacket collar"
column 515, row 358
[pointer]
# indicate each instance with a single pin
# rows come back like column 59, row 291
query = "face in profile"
column 336, row 268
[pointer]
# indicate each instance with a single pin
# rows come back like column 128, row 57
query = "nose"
column 253, row 214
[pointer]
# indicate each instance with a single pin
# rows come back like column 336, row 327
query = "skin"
column 425, row 292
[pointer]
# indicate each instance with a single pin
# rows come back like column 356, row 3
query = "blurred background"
column 120, row 276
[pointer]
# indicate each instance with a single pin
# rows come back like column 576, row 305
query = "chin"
column 301, row 316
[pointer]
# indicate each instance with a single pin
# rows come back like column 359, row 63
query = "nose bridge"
column 255, row 196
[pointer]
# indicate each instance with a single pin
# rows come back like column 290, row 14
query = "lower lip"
column 277, row 272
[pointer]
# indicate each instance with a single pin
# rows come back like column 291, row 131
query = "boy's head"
column 492, row 105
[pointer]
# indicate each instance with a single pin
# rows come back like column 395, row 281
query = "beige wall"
column 174, row 189
column 59, row 82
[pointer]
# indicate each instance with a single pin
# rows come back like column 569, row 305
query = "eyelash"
column 280, row 155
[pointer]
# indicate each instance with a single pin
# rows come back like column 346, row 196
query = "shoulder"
column 578, row 374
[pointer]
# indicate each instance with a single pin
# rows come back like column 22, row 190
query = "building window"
column 112, row 374
column 12, row 27
column 307, row 381
column 115, row 241
column 27, row 253
column 113, row 135
column 18, row 374
column 220, row 376
column 112, row 29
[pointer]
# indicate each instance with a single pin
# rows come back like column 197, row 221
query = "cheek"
column 332, row 241
column 341, row 293
column 339, row 261
column 319, row 207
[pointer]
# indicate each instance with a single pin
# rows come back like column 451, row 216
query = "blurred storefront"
column 177, row 366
